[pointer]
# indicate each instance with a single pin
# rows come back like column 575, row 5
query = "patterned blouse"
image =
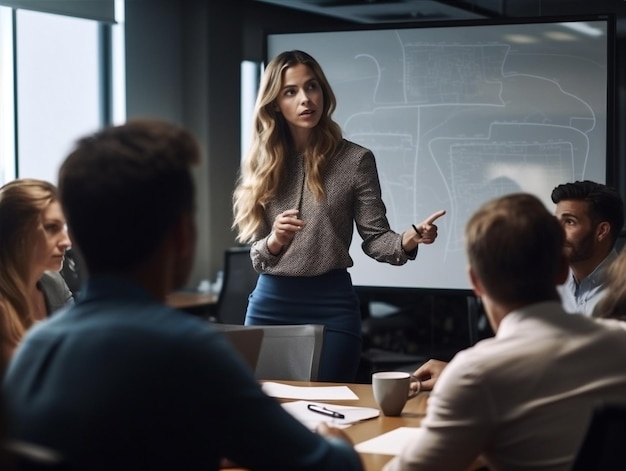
column 353, row 195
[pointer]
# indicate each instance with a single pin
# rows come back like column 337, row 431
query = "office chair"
column 239, row 281
column 73, row 271
column 247, row 340
column 288, row 352
column 603, row 445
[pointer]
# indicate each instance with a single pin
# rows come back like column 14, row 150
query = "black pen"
column 324, row 411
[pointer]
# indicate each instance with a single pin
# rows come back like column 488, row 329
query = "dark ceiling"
column 397, row 11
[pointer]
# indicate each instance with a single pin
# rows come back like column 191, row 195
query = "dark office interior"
column 183, row 63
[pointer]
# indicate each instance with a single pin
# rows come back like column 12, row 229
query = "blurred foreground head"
column 124, row 188
column 515, row 249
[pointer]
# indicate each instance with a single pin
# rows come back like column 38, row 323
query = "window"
column 60, row 78
column 250, row 78
column 58, row 88
column 7, row 108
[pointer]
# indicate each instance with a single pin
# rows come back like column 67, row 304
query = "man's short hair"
column 515, row 246
column 123, row 188
column 605, row 203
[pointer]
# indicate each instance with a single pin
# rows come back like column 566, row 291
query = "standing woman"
column 301, row 189
column 33, row 241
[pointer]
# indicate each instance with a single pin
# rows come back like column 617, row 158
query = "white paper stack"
column 352, row 414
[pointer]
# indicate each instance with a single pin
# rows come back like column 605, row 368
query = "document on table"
column 390, row 443
column 321, row 393
column 352, row 414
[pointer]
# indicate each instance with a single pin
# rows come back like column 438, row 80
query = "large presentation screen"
column 456, row 115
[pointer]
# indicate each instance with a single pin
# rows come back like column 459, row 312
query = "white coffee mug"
column 392, row 389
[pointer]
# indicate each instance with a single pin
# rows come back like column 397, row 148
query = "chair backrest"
column 239, row 281
column 246, row 340
column 73, row 271
column 603, row 445
column 290, row 352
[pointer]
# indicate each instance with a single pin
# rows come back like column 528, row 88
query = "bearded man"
column 592, row 215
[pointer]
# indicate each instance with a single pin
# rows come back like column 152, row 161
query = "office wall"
column 103, row 10
column 183, row 64
column 260, row 18
column 257, row 23
column 620, row 99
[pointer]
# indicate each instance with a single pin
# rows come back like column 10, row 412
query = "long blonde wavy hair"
column 262, row 170
column 612, row 304
column 22, row 202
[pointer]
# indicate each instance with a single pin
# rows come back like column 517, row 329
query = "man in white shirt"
column 592, row 215
column 523, row 399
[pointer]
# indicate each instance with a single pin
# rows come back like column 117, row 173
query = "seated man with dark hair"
column 522, row 399
column 120, row 381
column 592, row 215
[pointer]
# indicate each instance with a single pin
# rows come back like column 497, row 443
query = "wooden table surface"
column 185, row 299
column 412, row 415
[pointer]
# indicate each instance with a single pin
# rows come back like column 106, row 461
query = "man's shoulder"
column 124, row 319
column 534, row 341
column 611, row 329
column 125, row 340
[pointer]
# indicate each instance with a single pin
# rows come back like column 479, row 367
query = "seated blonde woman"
column 33, row 241
column 611, row 308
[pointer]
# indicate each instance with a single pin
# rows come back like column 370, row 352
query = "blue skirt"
column 327, row 299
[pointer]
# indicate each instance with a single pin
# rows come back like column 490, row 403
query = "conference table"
column 412, row 415
column 190, row 299
column 361, row 431
column 199, row 304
